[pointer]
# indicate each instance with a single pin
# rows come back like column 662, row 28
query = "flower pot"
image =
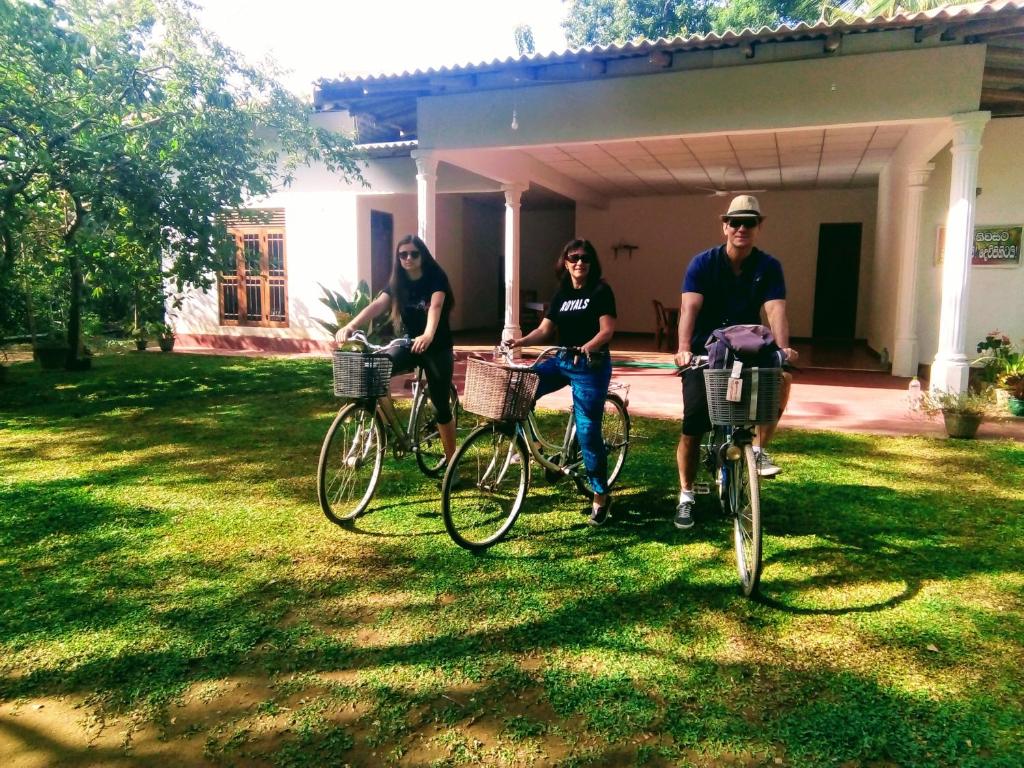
column 961, row 425
column 166, row 343
column 140, row 344
column 1015, row 406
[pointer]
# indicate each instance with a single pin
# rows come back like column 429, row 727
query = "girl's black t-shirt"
column 576, row 312
column 414, row 312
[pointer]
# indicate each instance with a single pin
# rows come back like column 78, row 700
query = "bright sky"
column 321, row 38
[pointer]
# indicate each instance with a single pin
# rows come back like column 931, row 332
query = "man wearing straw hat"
column 726, row 285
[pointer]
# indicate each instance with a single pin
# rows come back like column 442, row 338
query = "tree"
column 128, row 130
column 590, row 22
column 601, row 22
column 524, row 39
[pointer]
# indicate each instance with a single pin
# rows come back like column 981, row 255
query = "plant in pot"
column 140, row 334
column 962, row 412
column 1012, row 382
column 165, row 337
column 344, row 309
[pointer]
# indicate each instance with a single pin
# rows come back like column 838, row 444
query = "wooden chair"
column 529, row 318
column 663, row 325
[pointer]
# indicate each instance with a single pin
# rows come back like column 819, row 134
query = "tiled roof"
column 950, row 14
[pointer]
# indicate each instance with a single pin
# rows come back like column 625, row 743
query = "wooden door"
column 382, row 227
column 836, row 281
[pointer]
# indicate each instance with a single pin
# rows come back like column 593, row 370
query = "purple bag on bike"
column 752, row 345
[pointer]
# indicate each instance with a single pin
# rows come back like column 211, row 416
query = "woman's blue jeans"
column 589, row 389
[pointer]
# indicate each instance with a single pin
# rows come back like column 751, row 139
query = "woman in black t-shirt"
column 583, row 313
column 420, row 300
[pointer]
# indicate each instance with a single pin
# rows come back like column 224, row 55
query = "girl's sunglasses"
column 572, row 258
column 403, row 255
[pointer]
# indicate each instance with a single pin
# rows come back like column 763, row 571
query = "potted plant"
column 1012, row 382
column 996, row 352
column 962, row 412
column 51, row 351
column 141, row 336
column 165, row 337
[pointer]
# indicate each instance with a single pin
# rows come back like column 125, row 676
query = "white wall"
column 320, row 242
column 996, row 293
column 669, row 231
column 544, row 233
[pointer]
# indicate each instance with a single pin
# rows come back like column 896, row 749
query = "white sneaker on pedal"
column 765, row 466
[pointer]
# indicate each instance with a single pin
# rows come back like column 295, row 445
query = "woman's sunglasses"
column 572, row 258
column 403, row 255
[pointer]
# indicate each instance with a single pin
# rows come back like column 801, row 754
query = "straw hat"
column 743, row 205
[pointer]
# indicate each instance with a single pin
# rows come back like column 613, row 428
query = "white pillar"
column 426, row 198
column 949, row 371
column 904, row 359
column 513, row 194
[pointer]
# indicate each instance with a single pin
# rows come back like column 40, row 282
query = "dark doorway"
column 382, row 226
column 835, row 287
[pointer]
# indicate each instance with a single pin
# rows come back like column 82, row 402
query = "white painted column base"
column 949, row 375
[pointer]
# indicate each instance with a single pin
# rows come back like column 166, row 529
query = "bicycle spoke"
column 746, row 505
column 484, row 489
column 350, row 463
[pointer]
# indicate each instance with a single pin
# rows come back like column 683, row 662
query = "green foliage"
column 590, row 22
column 344, row 308
column 524, row 39
column 126, row 130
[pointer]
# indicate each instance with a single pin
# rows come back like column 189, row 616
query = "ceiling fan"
column 723, row 190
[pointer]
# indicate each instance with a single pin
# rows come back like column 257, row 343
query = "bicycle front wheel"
column 483, row 490
column 745, row 500
column 425, row 434
column 350, row 463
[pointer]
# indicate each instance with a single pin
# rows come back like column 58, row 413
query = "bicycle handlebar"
column 506, row 352
column 398, row 341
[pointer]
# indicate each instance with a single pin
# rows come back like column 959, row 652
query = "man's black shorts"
column 696, row 420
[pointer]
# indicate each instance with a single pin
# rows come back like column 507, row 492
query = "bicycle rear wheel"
column 425, row 435
column 615, row 431
column 350, row 462
column 483, row 490
column 745, row 500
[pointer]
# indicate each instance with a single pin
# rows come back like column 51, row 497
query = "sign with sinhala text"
column 996, row 246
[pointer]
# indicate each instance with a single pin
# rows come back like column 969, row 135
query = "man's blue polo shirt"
column 731, row 299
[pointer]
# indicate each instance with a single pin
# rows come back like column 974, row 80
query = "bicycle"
column 352, row 454
column 729, row 458
column 484, row 489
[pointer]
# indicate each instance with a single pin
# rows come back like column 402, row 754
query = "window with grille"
column 253, row 286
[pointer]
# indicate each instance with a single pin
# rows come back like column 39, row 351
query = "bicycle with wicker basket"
column 352, row 454
column 484, row 489
column 728, row 456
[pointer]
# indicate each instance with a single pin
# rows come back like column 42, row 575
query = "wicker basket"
column 498, row 392
column 759, row 403
column 359, row 375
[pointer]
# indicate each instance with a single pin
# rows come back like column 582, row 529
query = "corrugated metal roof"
column 949, row 14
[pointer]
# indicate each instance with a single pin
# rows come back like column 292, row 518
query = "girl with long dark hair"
column 582, row 312
column 420, row 300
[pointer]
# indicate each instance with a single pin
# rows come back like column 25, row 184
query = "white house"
column 868, row 139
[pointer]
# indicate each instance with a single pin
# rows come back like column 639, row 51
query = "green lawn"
column 170, row 592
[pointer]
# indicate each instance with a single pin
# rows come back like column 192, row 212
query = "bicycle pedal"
column 702, row 488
